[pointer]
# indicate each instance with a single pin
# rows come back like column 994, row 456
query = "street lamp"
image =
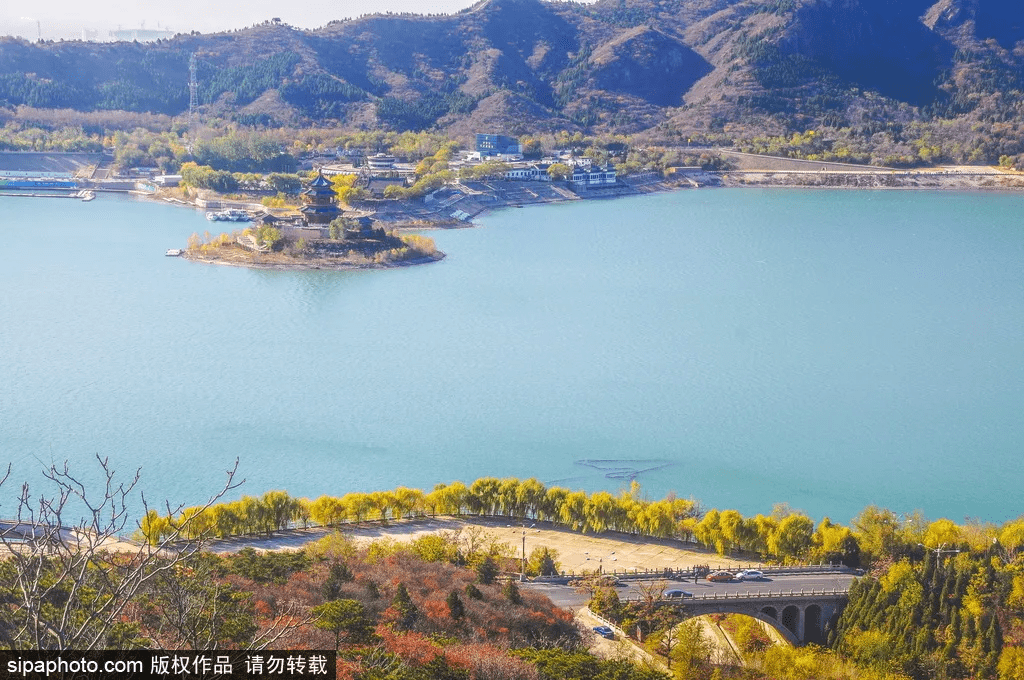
column 522, row 571
column 939, row 552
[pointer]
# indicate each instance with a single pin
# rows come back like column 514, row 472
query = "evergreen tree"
column 963, row 577
column 345, row 618
column 993, row 638
column 372, row 590
column 473, row 592
column 487, row 571
column 928, row 571
column 402, row 604
column 511, row 592
column 952, row 639
column 455, row 606
column 338, row 574
column 946, row 595
column 922, row 642
column 969, row 632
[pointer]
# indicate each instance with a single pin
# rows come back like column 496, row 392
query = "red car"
column 717, row 576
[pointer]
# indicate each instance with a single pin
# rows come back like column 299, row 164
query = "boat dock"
column 84, row 194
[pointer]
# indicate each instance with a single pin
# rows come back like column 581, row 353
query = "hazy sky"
column 67, row 18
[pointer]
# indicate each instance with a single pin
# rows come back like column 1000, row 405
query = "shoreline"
column 418, row 215
column 313, row 265
column 931, row 180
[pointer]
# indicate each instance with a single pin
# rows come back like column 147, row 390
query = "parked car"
column 605, row 632
column 675, row 593
column 751, row 575
column 717, row 576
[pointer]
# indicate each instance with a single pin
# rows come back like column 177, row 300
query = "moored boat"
column 229, row 215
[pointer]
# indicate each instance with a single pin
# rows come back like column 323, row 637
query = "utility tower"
column 193, row 86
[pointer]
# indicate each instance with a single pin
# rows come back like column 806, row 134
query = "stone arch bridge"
column 801, row 617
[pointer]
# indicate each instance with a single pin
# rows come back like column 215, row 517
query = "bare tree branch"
column 71, row 581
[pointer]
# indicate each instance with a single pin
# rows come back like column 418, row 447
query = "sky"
column 67, row 18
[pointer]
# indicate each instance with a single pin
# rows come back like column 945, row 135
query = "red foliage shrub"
column 487, row 662
column 414, row 649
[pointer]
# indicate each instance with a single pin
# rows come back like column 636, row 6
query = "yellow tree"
column 195, row 522
column 656, row 520
column 327, row 510
column 731, row 523
column 600, row 511
column 447, row 499
column 530, row 496
column 279, row 510
column 709, row 531
column 1011, row 663
column 483, row 495
column 942, row 532
column 407, row 501
column 1011, row 538
column 358, row 504
column 508, row 497
column 154, row 526
column 382, row 501
column 225, row 520
column 793, row 537
column 573, row 510
column 760, row 527
column 553, row 501
column 834, row 543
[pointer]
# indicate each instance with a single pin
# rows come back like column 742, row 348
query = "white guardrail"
column 687, row 574
column 771, row 594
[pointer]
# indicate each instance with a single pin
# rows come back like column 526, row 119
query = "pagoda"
column 318, row 198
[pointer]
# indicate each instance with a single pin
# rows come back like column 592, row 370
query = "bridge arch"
column 775, row 624
column 762, row 615
column 790, row 619
column 813, row 630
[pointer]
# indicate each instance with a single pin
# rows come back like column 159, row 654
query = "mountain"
column 664, row 67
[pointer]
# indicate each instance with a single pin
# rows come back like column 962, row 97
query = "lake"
column 827, row 349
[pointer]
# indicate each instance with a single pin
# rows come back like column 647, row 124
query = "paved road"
column 566, row 596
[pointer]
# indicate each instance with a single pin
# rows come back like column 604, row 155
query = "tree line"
column 957, row 613
column 785, row 534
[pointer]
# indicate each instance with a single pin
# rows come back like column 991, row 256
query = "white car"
column 751, row 575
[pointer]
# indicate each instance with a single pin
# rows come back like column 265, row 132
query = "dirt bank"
column 611, row 551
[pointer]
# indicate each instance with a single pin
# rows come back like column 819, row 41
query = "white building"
column 537, row 172
column 593, row 176
column 380, row 161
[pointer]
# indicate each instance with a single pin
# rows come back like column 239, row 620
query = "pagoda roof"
column 320, row 181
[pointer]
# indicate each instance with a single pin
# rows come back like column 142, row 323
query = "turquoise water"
column 825, row 349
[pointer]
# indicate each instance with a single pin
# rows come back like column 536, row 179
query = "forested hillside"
column 907, row 82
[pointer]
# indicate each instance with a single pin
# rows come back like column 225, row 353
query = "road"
column 566, row 596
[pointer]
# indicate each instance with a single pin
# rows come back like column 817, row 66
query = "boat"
column 174, row 252
column 88, row 195
column 229, row 215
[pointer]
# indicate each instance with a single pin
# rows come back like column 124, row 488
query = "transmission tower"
column 193, row 87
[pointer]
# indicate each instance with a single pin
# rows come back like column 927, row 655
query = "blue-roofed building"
column 498, row 145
